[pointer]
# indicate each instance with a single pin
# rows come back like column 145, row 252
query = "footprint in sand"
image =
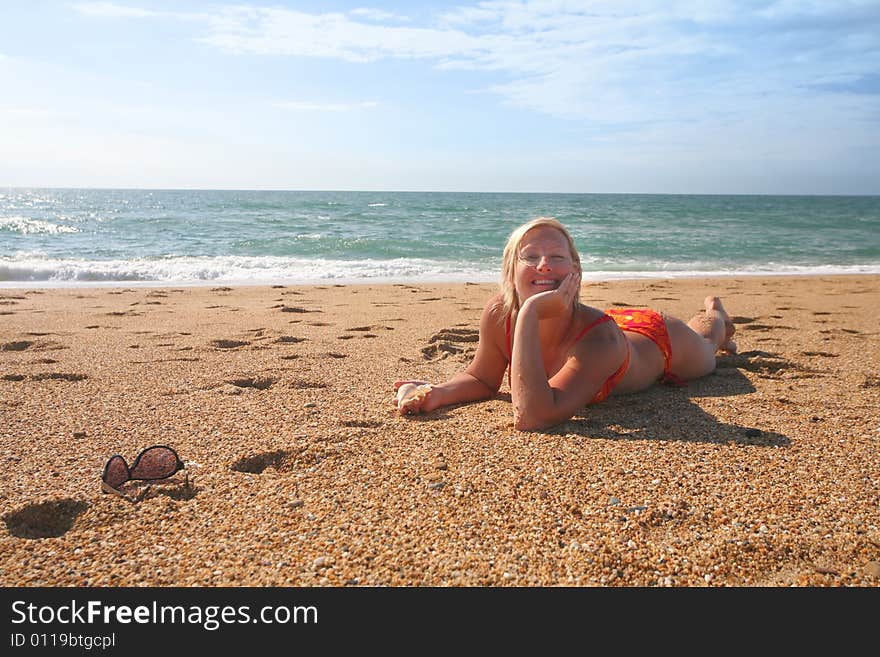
column 307, row 385
column 45, row 520
column 295, row 309
column 256, row 382
column 767, row 327
column 456, row 335
column 840, row 330
column 41, row 345
column 19, row 345
column 162, row 360
column 257, row 463
column 443, row 350
column 445, row 342
column 290, row 339
column 62, row 376
column 229, row 344
column 282, row 460
column 364, row 424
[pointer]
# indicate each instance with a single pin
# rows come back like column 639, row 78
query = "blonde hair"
column 509, row 297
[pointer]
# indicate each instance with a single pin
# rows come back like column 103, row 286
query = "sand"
column 764, row 473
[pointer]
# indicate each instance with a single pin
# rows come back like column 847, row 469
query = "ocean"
column 85, row 237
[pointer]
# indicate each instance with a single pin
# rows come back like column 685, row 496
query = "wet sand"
column 765, row 473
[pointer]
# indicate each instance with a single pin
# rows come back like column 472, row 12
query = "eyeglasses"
column 533, row 260
column 152, row 464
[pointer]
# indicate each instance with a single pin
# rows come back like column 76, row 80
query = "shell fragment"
column 409, row 392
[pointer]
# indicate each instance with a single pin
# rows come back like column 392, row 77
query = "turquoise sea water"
column 57, row 237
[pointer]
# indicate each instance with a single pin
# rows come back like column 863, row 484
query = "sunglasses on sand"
column 152, row 464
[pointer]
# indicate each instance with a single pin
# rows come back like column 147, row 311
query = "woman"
column 561, row 354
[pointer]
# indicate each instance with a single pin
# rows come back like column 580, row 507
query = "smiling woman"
column 560, row 354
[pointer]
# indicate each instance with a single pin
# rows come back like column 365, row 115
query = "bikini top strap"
column 601, row 320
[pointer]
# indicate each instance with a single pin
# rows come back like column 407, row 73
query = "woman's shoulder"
column 587, row 315
column 494, row 308
column 596, row 324
column 494, row 320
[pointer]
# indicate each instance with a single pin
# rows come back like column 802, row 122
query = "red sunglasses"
column 152, row 464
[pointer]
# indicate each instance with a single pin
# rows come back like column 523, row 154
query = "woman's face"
column 543, row 260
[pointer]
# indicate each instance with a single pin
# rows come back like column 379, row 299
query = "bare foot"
column 714, row 306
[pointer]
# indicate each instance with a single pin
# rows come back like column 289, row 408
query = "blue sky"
column 703, row 96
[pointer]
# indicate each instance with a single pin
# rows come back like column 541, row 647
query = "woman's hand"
column 414, row 398
column 554, row 303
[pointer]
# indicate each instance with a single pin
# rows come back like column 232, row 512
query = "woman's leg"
column 694, row 344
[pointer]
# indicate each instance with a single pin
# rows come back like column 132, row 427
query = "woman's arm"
column 539, row 402
column 481, row 379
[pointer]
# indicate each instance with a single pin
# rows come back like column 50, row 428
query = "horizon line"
column 416, row 191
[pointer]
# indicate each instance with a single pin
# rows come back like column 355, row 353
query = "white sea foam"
column 27, row 226
column 33, row 270
column 23, row 270
column 780, row 270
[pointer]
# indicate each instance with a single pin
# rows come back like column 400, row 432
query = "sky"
column 617, row 96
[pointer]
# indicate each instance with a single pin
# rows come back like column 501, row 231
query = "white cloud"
column 112, row 10
column 266, row 31
column 301, row 106
column 603, row 60
column 17, row 112
column 376, row 15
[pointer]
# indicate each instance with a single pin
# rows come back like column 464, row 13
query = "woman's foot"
column 714, row 307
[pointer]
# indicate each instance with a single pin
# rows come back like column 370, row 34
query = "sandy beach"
column 765, row 473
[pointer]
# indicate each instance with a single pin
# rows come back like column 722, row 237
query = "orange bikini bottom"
column 650, row 324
